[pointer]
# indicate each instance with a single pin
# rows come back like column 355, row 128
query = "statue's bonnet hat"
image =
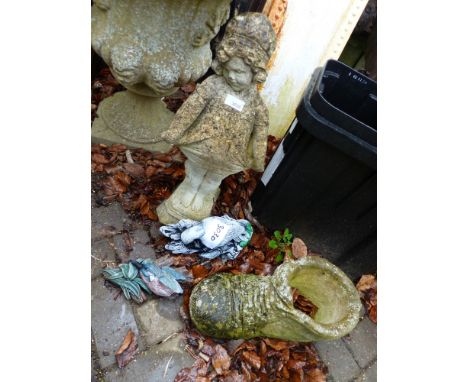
column 252, row 30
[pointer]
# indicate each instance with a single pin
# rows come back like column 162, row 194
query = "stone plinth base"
column 172, row 210
column 133, row 120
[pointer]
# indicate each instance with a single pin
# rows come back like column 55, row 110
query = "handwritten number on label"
column 218, row 230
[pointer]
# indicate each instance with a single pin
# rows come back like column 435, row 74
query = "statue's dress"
column 215, row 135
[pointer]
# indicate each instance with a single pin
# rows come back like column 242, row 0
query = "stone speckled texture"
column 102, row 254
column 140, row 236
column 361, row 342
column 222, row 127
column 369, row 374
column 161, row 364
column 133, row 120
column 245, row 306
column 341, row 364
column 143, row 251
column 105, row 219
column 110, row 321
column 159, row 318
column 151, row 47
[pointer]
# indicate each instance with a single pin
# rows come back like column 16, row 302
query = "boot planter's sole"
column 232, row 306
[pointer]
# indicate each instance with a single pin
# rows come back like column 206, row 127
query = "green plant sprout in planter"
column 283, row 243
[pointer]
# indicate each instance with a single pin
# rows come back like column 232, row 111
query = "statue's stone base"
column 133, row 120
column 172, row 210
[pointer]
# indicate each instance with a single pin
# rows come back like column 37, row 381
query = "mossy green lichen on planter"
column 245, row 306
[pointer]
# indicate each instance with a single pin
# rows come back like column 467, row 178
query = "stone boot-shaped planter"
column 244, row 306
column 152, row 47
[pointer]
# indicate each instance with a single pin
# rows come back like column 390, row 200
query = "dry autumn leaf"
column 252, row 358
column 373, row 313
column 233, row 376
column 127, row 350
column 303, row 304
column 276, row 344
column 150, row 171
column 299, row 249
column 189, row 374
column 134, row 169
column 123, row 178
column 366, row 282
column 314, row 375
column 199, row 271
column 367, row 287
column 117, row 148
column 221, row 360
column 100, row 158
column 146, row 210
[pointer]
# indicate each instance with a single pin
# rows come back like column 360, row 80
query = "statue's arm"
column 192, row 107
column 260, row 137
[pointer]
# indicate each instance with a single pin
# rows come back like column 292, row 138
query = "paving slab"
column 94, row 362
column 102, row 253
column 110, row 321
column 107, row 218
column 369, row 374
column 161, row 363
column 143, row 251
column 362, row 342
column 140, row 236
column 120, row 247
column 159, row 318
column 341, row 365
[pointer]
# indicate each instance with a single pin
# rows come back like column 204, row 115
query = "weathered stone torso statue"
column 222, row 127
column 152, row 47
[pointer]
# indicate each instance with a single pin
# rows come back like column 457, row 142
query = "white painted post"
column 313, row 32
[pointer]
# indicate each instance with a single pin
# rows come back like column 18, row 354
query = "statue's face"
column 237, row 73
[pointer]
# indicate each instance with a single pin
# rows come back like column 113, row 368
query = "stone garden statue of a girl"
column 222, row 128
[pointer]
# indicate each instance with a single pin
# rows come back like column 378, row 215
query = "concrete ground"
column 157, row 323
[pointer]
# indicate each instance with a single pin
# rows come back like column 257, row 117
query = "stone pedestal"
column 172, row 210
column 193, row 198
column 152, row 47
column 134, row 120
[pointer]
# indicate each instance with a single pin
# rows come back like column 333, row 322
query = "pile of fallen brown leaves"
column 254, row 360
column 138, row 179
column 103, row 86
column 367, row 287
column 303, row 304
column 174, row 101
